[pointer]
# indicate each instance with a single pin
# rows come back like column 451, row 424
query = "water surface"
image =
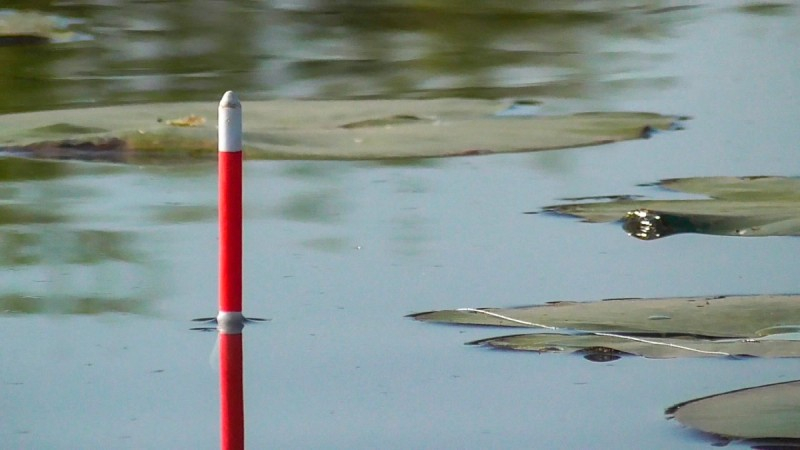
column 338, row 252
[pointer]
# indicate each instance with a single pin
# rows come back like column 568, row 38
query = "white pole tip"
column 230, row 100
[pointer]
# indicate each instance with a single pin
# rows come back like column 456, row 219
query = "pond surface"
column 104, row 266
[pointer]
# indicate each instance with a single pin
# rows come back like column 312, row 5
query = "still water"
column 104, row 266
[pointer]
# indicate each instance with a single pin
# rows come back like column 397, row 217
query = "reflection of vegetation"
column 765, row 325
column 177, row 213
column 15, row 248
column 767, row 8
column 312, row 171
column 26, row 304
column 328, row 244
column 410, row 232
column 55, row 258
column 12, row 169
column 326, row 49
column 747, row 206
column 15, row 214
column 322, row 206
column 24, row 28
column 81, row 271
column 72, row 247
column 95, row 246
column 469, row 48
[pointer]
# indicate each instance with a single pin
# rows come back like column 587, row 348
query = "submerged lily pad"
column 762, row 325
column 763, row 412
column 367, row 129
column 738, row 206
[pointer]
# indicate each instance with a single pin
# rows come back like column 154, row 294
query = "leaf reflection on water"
column 56, row 258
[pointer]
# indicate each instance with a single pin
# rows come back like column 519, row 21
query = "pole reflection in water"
column 231, row 390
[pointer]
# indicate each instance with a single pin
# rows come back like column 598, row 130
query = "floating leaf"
column 594, row 344
column 189, row 121
column 367, row 129
column 746, row 206
column 725, row 317
column 762, row 325
column 764, row 412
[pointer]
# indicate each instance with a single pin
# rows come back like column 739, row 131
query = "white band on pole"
column 230, row 123
column 230, row 322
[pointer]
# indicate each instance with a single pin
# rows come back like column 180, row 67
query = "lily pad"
column 365, row 129
column 738, row 206
column 762, row 325
column 605, row 346
column 763, row 412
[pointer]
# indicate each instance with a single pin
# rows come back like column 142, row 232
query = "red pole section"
column 231, row 392
column 230, row 213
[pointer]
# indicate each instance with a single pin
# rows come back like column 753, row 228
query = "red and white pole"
column 230, row 211
column 230, row 320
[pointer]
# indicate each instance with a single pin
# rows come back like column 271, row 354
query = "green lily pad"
column 605, row 346
column 762, row 325
column 763, row 412
column 367, row 129
column 746, row 206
